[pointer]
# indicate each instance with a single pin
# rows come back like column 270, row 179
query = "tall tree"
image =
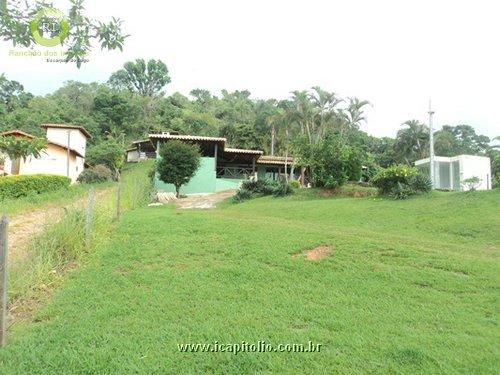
column 325, row 114
column 148, row 79
column 412, row 141
column 353, row 115
column 178, row 163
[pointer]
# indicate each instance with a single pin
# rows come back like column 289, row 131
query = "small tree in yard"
column 178, row 164
column 108, row 153
column 472, row 183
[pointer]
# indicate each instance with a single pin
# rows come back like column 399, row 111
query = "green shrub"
column 22, row 186
column 259, row 188
column 109, row 152
column 295, row 184
column 330, row 161
column 262, row 186
column 495, row 183
column 471, row 183
column 401, row 191
column 420, row 183
column 99, row 173
column 283, row 189
column 387, row 179
column 401, row 181
column 242, row 195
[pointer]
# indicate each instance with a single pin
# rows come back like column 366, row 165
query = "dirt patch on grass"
column 23, row 227
column 328, row 193
column 205, row 201
column 350, row 190
column 318, row 253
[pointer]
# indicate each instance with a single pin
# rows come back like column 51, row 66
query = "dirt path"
column 25, row 225
column 204, row 201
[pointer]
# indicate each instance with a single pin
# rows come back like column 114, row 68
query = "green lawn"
column 409, row 287
column 36, row 201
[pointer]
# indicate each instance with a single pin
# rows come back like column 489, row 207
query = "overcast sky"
column 396, row 54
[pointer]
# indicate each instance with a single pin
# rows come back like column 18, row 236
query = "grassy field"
column 35, row 201
column 60, row 246
column 409, row 287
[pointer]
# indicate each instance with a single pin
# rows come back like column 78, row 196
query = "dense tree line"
column 132, row 104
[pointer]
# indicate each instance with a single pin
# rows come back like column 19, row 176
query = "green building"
column 222, row 168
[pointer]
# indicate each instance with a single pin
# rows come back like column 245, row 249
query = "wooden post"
column 4, row 226
column 215, row 156
column 88, row 218
column 302, row 176
column 118, row 197
column 68, row 153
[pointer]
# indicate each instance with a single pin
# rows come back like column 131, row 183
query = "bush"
column 99, row 173
column 420, row 183
column 109, row 153
column 242, row 195
column 331, row 161
column 471, row 183
column 401, row 181
column 295, row 184
column 495, row 184
column 263, row 187
column 24, row 185
column 387, row 179
column 283, row 189
column 401, row 191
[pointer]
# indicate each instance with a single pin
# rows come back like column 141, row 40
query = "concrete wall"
column 77, row 140
column 478, row 166
column 450, row 172
column 203, row 181
column 222, row 184
column 53, row 160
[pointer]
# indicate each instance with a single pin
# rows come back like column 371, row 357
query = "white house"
column 64, row 154
column 450, row 172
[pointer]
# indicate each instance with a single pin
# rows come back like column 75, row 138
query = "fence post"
column 88, row 218
column 118, row 197
column 4, row 226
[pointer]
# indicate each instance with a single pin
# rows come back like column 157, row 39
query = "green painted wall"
column 203, row 181
column 261, row 172
column 222, row 184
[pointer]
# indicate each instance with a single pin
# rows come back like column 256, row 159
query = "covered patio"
column 222, row 168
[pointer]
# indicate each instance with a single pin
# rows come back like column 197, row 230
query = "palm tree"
column 303, row 113
column 353, row 115
column 325, row 104
column 275, row 121
column 412, row 141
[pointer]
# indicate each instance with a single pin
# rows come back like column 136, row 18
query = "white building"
column 64, row 154
column 450, row 172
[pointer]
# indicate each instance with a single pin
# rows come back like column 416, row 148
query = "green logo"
column 51, row 21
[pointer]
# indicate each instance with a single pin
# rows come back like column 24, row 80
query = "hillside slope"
column 408, row 286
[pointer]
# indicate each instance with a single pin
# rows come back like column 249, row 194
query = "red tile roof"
column 204, row 139
column 242, row 151
column 18, row 133
column 275, row 160
column 186, row 137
